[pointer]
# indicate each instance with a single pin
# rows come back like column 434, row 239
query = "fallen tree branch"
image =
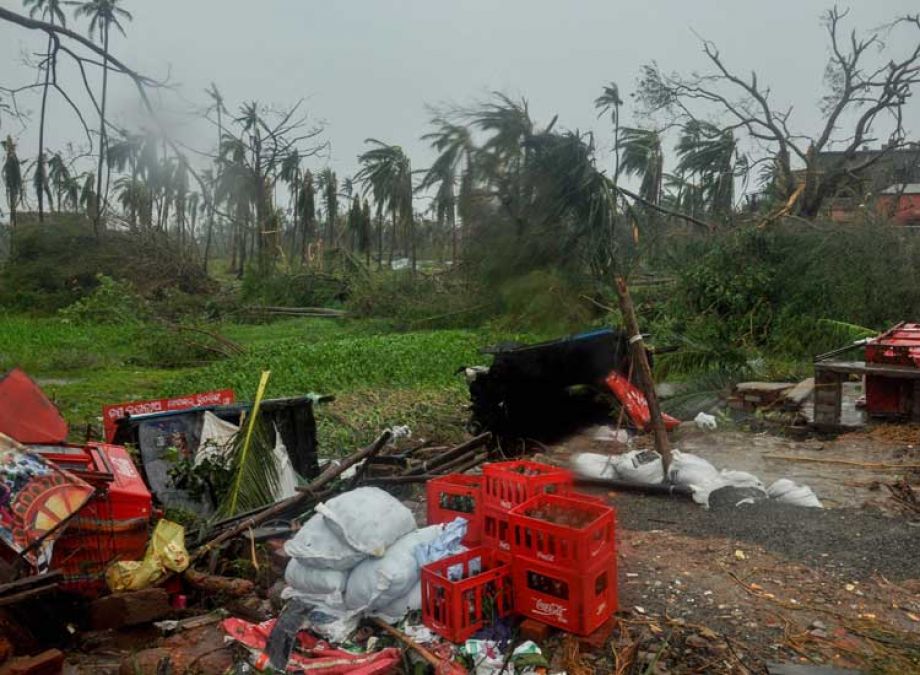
column 307, row 493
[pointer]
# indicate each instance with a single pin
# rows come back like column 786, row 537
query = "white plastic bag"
column 594, row 465
column 705, row 422
column 691, row 470
column 368, row 518
column 640, row 466
column 789, row 492
column 316, row 584
column 377, row 582
column 317, row 545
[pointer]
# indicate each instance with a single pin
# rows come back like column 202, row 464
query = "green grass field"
column 379, row 378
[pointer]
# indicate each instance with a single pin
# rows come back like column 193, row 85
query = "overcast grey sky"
column 369, row 67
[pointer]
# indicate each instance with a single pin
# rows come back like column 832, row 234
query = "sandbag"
column 741, row 479
column 690, row 470
column 643, row 467
column 594, row 465
column 317, row 545
column 789, row 492
column 377, row 582
column 396, row 611
column 368, row 519
column 317, row 584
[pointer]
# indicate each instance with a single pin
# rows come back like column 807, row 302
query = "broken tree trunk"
column 644, row 370
column 217, row 584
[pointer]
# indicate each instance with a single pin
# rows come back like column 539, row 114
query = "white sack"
column 321, row 585
column 594, row 465
column 396, row 611
column 789, row 492
column 640, row 466
column 316, row 545
column 740, row 479
column 377, row 582
column 368, row 518
column 691, row 470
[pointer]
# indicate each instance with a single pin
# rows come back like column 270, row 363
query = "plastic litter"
column 368, row 519
column 705, row 421
column 446, row 543
column 165, row 552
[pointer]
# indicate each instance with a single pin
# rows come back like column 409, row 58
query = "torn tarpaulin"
column 310, row 653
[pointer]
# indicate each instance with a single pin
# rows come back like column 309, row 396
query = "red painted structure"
column 900, row 203
column 892, row 396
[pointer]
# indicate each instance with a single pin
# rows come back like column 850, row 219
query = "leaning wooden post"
column 642, row 367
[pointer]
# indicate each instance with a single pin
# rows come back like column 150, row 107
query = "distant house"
column 887, row 168
column 900, row 203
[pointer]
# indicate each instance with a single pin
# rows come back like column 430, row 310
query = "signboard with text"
column 112, row 413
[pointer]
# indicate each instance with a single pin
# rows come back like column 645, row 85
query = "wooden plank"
column 863, row 368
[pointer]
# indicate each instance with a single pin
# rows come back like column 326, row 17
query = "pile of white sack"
column 644, row 467
column 361, row 554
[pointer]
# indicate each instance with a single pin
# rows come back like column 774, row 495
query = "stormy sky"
column 369, row 68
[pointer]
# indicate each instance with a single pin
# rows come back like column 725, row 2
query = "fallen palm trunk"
column 624, row 486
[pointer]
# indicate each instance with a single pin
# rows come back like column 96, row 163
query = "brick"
column 598, row 639
column 129, row 609
column 49, row 662
column 531, row 629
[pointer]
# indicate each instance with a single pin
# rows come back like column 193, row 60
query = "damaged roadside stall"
column 548, row 390
column 71, row 508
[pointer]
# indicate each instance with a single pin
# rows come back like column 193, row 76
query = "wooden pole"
column 644, row 370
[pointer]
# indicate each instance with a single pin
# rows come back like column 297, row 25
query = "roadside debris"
column 692, row 474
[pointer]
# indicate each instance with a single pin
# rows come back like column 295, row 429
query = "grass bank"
column 379, row 378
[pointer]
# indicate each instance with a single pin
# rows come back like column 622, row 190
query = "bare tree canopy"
column 867, row 89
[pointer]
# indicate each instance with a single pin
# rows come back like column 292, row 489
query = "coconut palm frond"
column 254, row 473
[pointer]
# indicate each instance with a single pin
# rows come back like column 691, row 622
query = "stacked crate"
column 554, row 548
column 506, row 485
column 564, row 561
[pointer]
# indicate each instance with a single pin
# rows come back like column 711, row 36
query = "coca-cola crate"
column 577, row 601
column 568, row 530
column 507, row 484
column 496, row 529
column 457, row 495
column 464, row 592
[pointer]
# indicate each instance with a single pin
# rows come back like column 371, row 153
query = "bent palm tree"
column 641, row 156
column 387, row 172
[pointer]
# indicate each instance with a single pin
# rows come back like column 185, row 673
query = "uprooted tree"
column 868, row 86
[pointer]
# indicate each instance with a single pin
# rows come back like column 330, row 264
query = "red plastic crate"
column 113, row 523
column 507, row 484
column 457, row 495
column 571, row 546
column 496, row 529
column 464, row 592
column 577, row 601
